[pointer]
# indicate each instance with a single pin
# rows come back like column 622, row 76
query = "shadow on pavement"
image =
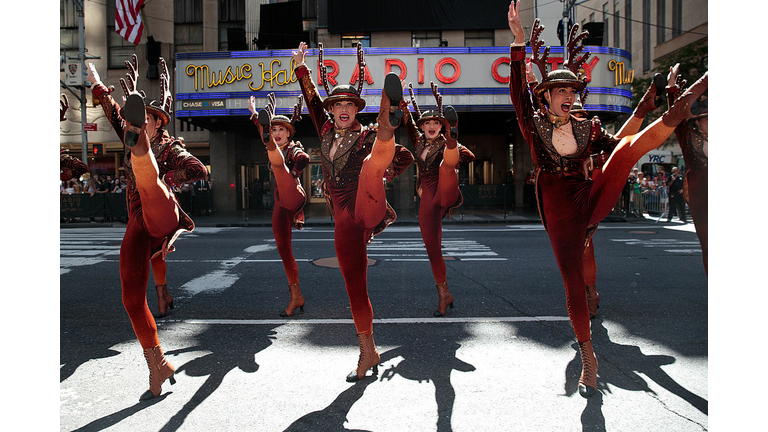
column 231, row 347
column 113, row 419
column 333, row 417
column 621, row 366
column 425, row 360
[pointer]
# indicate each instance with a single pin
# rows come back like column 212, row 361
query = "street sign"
column 74, row 75
column 91, row 127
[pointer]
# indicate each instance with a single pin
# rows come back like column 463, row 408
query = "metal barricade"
column 651, row 200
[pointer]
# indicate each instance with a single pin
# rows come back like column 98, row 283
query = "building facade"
column 221, row 52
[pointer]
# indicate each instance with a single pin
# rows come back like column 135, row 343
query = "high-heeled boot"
column 296, row 301
column 369, row 358
column 682, row 107
column 160, row 369
column 593, row 300
column 588, row 379
column 164, row 300
column 445, row 299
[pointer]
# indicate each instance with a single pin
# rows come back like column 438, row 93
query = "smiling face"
column 560, row 100
column 431, row 129
column 280, row 134
column 344, row 113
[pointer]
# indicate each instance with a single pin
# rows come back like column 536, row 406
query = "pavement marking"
column 443, row 320
column 668, row 245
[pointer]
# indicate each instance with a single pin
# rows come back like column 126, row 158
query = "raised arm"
column 108, row 104
column 675, row 85
column 309, row 90
column 519, row 91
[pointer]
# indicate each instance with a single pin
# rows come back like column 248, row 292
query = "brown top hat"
column 285, row 122
column 560, row 78
column 429, row 115
column 344, row 92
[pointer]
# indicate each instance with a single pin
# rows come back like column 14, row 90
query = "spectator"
column 76, row 186
column 529, row 190
column 640, row 188
column 89, row 184
column 104, row 185
column 69, row 187
column 676, row 200
column 202, row 190
column 185, row 197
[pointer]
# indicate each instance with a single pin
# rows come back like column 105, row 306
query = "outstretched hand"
column 252, row 105
column 513, row 19
column 299, row 54
column 93, row 75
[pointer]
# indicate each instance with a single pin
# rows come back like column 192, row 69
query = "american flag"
column 128, row 21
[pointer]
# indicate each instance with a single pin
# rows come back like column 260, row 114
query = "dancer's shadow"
column 230, row 347
column 80, row 343
column 621, row 366
column 429, row 359
column 115, row 418
column 333, row 417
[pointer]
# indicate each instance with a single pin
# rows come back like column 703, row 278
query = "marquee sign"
column 470, row 78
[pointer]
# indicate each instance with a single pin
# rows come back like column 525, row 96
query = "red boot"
column 164, row 300
column 445, row 299
column 160, row 369
column 369, row 358
column 588, row 379
column 296, row 301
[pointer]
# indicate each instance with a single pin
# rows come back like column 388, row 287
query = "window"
column 119, row 50
column 628, row 25
column 661, row 17
column 350, row 40
column 677, row 17
column 232, row 24
column 426, row 38
column 188, row 28
column 477, row 38
column 69, row 34
column 646, row 35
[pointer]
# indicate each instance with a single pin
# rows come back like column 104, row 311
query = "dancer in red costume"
column 355, row 160
column 437, row 184
column 69, row 166
column 570, row 203
column 592, row 168
column 287, row 161
column 693, row 137
column 154, row 161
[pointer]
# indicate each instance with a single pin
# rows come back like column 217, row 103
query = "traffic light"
column 98, row 149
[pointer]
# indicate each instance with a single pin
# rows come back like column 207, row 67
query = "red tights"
column 351, row 233
column 152, row 217
column 569, row 205
column 289, row 198
column 697, row 183
column 432, row 207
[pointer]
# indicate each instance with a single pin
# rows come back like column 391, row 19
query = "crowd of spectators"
column 93, row 184
column 657, row 194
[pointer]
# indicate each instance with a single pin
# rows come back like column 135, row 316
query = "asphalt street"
column 504, row 358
